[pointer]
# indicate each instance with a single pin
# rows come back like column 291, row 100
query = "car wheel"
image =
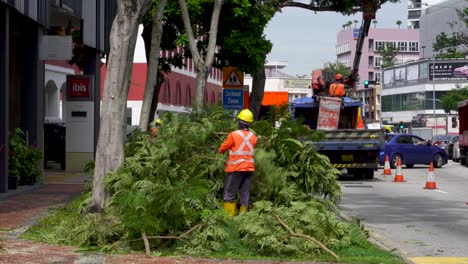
column 438, row 161
column 409, row 166
column 394, row 162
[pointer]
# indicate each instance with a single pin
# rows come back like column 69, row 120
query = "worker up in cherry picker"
column 337, row 88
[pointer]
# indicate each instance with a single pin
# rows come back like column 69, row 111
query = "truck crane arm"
column 369, row 9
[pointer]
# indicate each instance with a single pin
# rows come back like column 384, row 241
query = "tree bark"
column 155, row 101
column 153, row 65
column 110, row 146
column 258, row 88
column 203, row 65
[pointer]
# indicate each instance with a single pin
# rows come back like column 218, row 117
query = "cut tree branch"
column 306, row 237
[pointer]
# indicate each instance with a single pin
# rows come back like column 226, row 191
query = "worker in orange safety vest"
column 155, row 127
column 337, row 89
column 240, row 164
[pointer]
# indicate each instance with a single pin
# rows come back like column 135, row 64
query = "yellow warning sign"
column 233, row 78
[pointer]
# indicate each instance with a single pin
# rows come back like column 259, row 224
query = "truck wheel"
column 369, row 174
column 357, row 173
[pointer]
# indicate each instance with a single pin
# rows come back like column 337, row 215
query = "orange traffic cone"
column 399, row 175
column 360, row 124
column 387, row 170
column 430, row 182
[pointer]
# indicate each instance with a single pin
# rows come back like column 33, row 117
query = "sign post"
column 233, row 99
column 79, row 109
column 235, row 94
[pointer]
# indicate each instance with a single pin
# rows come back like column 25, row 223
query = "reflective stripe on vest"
column 234, row 162
column 246, row 142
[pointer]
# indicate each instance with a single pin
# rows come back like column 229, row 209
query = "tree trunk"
column 258, row 88
column 153, row 65
column 154, row 102
column 201, row 80
column 110, row 146
column 203, row 65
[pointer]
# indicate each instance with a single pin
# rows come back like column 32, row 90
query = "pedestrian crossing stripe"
column 233, row 78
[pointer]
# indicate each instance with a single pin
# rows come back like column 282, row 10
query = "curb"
column 378, row 240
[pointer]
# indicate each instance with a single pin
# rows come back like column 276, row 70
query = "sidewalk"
column 21, row 208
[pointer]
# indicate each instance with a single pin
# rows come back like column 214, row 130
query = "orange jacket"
column 337, row 90
column 241, row 146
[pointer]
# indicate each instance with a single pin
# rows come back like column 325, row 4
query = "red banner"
column 329, row 113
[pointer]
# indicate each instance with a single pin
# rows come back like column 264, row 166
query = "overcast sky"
column 306, row 40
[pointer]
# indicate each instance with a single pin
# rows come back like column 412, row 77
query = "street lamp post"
column 433, row 95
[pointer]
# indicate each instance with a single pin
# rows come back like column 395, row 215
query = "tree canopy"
column 451, row 99
column 449, row 45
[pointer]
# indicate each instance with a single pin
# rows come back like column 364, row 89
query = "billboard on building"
column 448, row 71
column 400, row 75
column 388, row 76
column 412, row 73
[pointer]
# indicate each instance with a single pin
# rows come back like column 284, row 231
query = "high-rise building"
column 406, row 41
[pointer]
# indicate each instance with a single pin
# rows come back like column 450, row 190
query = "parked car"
column 451, row 143
column 411, row 150
column 442, row 141
column 456, row 152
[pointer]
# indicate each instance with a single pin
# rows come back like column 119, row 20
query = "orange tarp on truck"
column 275, row 98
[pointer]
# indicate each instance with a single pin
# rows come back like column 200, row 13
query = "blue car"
column 411, row 150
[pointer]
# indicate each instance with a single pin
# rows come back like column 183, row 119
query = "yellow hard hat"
column 388, row 128
column 159, row 122
column 246, row 115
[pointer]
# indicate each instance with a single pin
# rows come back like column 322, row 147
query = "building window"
column 128, row 115
column 402, row 46
column 414, row 46
column 378, row 61
column 377, row 77
column 410, row 101
column 379, row 45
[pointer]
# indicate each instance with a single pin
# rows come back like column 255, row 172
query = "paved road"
column 418, row 222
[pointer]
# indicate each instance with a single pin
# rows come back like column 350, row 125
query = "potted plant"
column 23, row 159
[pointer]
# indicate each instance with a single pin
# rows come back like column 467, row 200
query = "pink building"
column 405, row 40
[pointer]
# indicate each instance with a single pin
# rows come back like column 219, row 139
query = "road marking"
column 439, row 260
column 441, row 191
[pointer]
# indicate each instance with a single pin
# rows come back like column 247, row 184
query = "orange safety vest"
column 241, row 146
column 337, row 90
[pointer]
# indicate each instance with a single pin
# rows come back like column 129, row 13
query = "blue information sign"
column 233, row 99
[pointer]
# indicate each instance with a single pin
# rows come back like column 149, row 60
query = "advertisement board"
column 329, row 113
column 388, row 76
column 400, row 75
column 79, row 88
column 412, row 73
column 448, row 71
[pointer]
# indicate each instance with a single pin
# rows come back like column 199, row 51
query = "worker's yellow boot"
column 243, row 209
column 230, row 208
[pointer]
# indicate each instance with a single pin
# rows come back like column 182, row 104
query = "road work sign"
column 233, row 99
column 233, row 78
